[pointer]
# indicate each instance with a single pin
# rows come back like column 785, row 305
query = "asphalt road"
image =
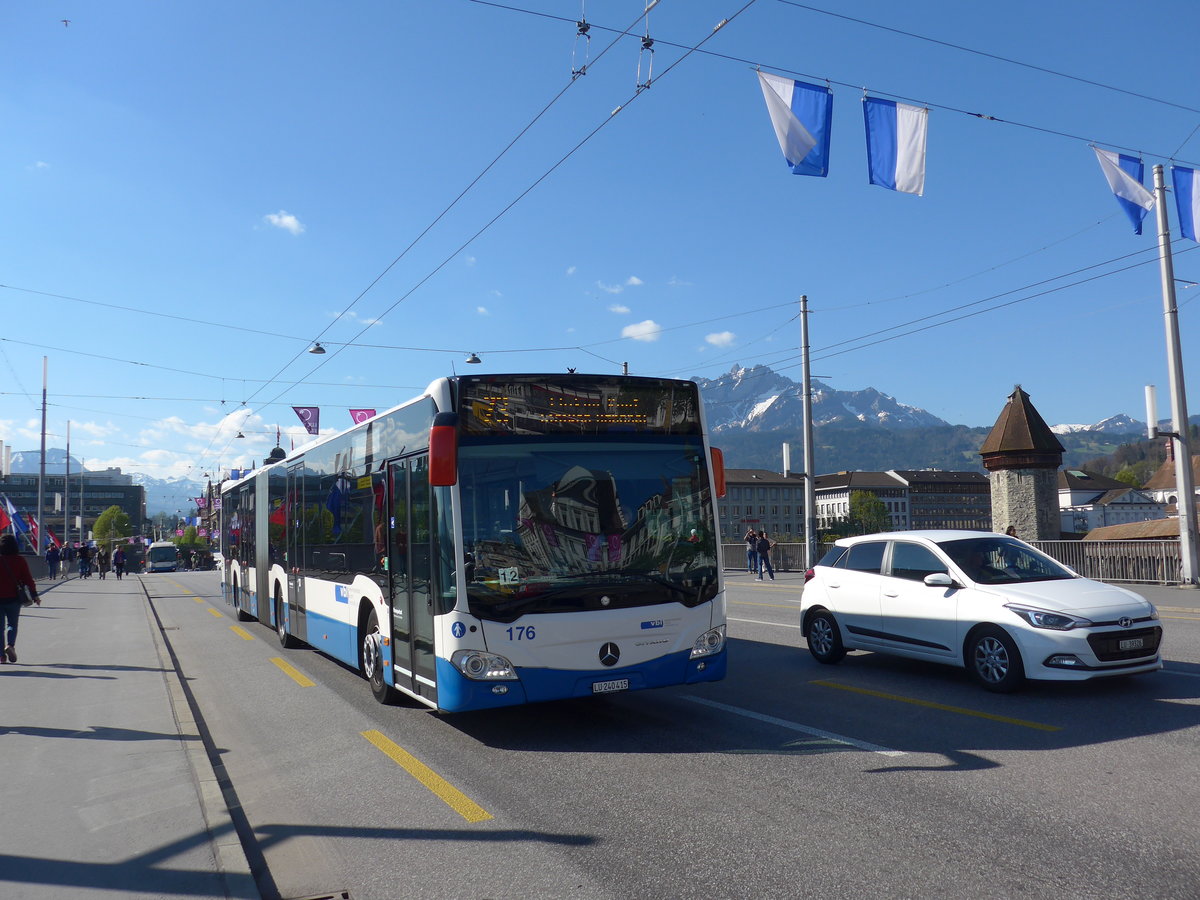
column 875, row 777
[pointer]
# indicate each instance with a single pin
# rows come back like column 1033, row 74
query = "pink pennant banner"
column 310, row 416
column 361, row 415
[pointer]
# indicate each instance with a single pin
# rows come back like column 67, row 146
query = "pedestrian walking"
column 751, row 539
column 118, row 562
column 14, row 572
column 102, row 561
column 85, row 561
column 53, row 558
column 764, row 556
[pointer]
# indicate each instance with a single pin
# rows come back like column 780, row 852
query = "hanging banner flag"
column 310, row 416
column 1124, row 176
column 896, row 135
column 361, row 415
column 802, row 115
column 5, row 521
column 32, row 522
column 1187, row 199
column 54, row 539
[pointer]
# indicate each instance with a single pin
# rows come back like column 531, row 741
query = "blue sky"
column 255, row 169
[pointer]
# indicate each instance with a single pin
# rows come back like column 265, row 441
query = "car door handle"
column 892, row 594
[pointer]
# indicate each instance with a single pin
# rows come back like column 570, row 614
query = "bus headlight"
column 709, row 643
column 480, row 666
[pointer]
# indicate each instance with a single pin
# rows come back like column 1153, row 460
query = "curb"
column 231, row 861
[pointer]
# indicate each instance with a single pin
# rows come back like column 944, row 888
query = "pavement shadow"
column 95, row 733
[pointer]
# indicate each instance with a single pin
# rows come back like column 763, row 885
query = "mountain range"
column 163, row 495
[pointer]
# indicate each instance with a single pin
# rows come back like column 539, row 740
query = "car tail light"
column 809, row 575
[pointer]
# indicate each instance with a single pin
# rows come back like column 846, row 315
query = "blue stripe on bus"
column 338, row 639
column 457, row 693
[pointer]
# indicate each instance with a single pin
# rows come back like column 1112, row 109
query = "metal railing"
column 1140, row 562
column 1143, row 562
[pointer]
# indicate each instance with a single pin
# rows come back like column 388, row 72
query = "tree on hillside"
column 869, row 513
column 111, row 524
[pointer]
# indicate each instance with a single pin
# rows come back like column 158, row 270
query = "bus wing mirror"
column 443, row 450
column 718, row 467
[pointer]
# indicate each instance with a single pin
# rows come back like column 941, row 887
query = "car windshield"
column 1001, row 560
column 559, row 526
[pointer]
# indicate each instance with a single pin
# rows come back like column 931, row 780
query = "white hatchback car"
column 983, row 601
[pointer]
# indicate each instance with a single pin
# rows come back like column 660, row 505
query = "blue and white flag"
column 1187, row 199
column 802, row 115
column 896, row 144
column 1124, row 174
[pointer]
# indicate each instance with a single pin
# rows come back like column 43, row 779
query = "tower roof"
column 1021, row 438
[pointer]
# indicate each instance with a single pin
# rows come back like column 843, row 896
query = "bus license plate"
column 608, row 687
column 1131, row 644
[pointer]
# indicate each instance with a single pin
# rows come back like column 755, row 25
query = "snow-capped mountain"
column 760, row 399
column 162, row 494
column 1118, row 424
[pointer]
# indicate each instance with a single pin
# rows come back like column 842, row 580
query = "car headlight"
column 480, row 666
column 1153, row 616
column 709, row 643
column 1041, row 618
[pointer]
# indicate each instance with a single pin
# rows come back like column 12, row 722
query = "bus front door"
column 292, row 609
column 410, row 569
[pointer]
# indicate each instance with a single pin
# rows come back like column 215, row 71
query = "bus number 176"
column 521, row 633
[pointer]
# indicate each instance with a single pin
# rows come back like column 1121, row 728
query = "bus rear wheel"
column 286, row 641
column 373, row 662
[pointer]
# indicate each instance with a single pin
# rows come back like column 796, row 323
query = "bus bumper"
column 457, row 693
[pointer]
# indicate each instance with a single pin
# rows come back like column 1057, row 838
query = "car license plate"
column 1131, row 644
column 608, row 687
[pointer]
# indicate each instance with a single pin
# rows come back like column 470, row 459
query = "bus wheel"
column 372, row 662
column 286, row 641
column 242, row 615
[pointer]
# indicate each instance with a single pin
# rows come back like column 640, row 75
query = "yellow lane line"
column 293, row 673
column 450, row 795
column 216, row 612
column 1182, row 618
column 931, row 705
column 198, row 599
column 241, row 632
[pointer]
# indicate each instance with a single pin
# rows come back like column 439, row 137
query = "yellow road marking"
column 450, row 795
column 241, row 632
column 198, row 599
column 293, row 673
column 931, row 705
column 216, row 612
column 1182, row 618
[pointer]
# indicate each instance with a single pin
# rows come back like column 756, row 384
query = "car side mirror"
column 939, row 579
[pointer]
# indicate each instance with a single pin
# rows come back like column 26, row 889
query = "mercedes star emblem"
column 609, row 654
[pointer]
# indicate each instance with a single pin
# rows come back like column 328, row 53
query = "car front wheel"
column 994, row 661
column 824, row 639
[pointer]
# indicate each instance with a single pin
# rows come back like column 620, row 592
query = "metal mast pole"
column 810, row 493
column 41, row 501
column 1184, row 481
column 66, row 538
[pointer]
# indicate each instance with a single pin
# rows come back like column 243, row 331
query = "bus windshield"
column 560, row 526
column 163, row 554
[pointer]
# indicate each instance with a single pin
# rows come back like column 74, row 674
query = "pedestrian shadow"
column 105, row 668
column 95, row 733
column 13, row 671
column 142, row 873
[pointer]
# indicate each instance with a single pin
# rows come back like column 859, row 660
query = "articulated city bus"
column 501, row 539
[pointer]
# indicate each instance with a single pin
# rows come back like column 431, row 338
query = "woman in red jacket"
column 13, row 570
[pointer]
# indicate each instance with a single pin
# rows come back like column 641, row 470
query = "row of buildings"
column 774, row 502
column 91, row 493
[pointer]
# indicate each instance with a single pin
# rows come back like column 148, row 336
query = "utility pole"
column 41, row 501
column 1184, row 481
column 810, row 492
column 66, row 538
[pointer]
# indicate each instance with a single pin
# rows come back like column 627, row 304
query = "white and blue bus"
column 501, row 539
column 162, row 556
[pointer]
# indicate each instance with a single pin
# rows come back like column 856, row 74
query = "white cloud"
column 470, row 260
column 675, row 281
column 284, row 220
column 482, row 310
column 648, row 330
column 570, row 270
column 609, row 288
column 634, row 281
column 619, row 308
column 720, row 338
column 39, row 166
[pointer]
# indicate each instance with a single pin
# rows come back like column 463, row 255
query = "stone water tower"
column 1022, row 456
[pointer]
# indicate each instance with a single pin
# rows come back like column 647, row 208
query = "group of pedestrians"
column 758, row 554
column 101, row 560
